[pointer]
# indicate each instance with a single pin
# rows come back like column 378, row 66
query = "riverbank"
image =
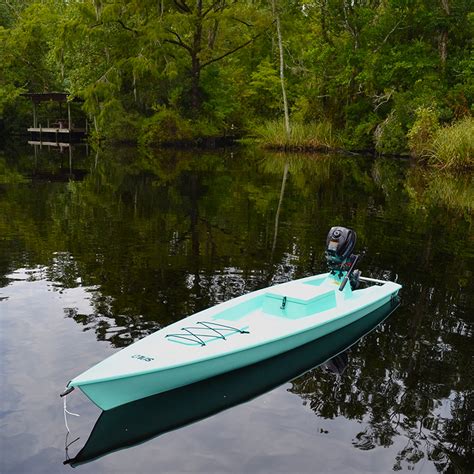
column 450, row 146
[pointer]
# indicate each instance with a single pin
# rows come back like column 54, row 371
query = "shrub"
column 420, row 135
column 203, row 128
column 389, row 136
column 360, row 136
column 123, row 129
column 164, row 127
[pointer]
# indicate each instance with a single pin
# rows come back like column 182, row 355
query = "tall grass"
column 452, row 146
column 303, row 136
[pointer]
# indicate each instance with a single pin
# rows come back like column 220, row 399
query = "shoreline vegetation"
column 450, row 146
column 393, row 78
column 446, row 147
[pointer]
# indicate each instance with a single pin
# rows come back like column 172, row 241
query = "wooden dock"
column 42, row 144
column 62, row 129
column 57, row 134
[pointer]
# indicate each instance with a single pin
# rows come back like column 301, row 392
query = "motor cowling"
column 340, row 243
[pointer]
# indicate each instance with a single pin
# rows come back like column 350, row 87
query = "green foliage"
column 363, row 67
column 24, row 52
column 203, row 128
column 8, row 95
column 123, row 128
column 361, row 136
column 452, row 146
column 389, row 136
column 164, row 127
column 361, row 122
column 421, row 133
column 220, row 110
column 264, row 90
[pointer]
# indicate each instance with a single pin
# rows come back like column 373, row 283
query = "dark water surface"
column 99, row 250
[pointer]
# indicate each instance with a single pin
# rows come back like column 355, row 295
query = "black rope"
column 196, row 337
column 242, row 331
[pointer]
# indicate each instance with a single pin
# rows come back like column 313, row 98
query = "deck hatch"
column 300, row 300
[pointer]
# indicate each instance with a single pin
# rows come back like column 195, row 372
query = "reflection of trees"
column 155, row 238
column 380, row 391
column 454, row 191
column 421, row 392
column 9, row 175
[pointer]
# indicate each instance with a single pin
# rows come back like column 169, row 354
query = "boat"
column 240, row 332
column 139, row 421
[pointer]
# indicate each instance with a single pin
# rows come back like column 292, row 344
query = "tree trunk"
column 195, row 60
column 443, row 48
column 195, row 86
column 282, row 69
column 443, row 36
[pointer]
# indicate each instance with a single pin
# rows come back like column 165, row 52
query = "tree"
column 208, row 32
column 286, row 114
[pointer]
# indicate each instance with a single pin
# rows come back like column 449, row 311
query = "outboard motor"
column 340, row 243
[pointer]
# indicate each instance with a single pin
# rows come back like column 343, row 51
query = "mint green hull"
column 269, row 330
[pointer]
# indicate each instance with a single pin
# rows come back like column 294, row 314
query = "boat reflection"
column 139, row 421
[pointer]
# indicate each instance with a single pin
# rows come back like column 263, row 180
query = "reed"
column 452, row 146
column 313, row 136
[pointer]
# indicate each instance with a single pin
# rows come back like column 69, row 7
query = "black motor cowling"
column 340, row 243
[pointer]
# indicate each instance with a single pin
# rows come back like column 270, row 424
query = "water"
column 98, row 250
